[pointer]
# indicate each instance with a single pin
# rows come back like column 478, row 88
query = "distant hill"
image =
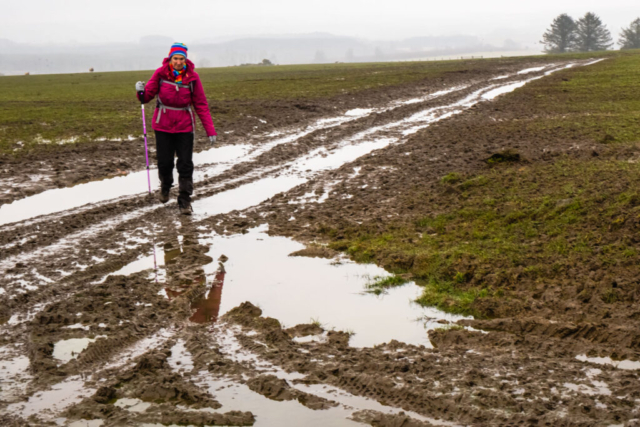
column 19, row 58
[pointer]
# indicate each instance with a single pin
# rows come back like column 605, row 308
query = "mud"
column 70, row 164
column 146, row 289
column 467, row 377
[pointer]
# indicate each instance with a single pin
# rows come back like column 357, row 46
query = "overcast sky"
column 82, row 21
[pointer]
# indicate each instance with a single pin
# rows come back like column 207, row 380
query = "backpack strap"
column 163, row 108
column 178, row 85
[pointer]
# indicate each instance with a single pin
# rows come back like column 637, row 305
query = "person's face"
column 178, row 62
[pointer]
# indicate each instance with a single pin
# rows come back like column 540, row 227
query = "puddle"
column 47, row 403
column 533, row 70
column 268, row 413
column 77, row 326
column 207, row 308
column 620, row 364
column 215, row 160
column 362, row 403
column 596, row 388
column 143, row 263
column 238, row 397
column 359, row 112
column 14, row 374
column 299, row 172
column 61, row 199
column 502, row 90
column 16, row 319
column 67, row 350
column 132, row 405
column 244, row 196
column 180, row 359
column 349, row 403
column 259, row 270
column 72, row 241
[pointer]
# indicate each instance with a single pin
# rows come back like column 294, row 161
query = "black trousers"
column 180, row 145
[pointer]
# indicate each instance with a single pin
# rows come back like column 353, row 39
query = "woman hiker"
column 179, row 91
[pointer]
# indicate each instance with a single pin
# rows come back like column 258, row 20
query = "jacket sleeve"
column 151, row 88
column 201, row 106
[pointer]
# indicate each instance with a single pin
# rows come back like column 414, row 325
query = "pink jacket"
column 175, row 117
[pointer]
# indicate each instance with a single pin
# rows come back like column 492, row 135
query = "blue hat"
column 178, row 49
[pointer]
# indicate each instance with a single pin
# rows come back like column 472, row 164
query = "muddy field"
column 115, row 310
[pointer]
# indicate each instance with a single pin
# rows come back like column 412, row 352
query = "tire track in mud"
column 498, row 384
column 286, row 146
column 291, row 144
column 247, row 171
column 101, row 213
column 85, row 259
column 243, row 173
column 77, row 257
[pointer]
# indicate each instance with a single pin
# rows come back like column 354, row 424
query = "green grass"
column 546, row 220
column 37, row 110
column 89, row 106
column 380, row 284
column 517, row 227
column 315, row 321
column 598, row 104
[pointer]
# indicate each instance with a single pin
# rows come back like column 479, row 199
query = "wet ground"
column 115, row 310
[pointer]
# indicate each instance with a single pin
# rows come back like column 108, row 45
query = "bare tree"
column 561, row 36
column 591, row 34
column 630, row 37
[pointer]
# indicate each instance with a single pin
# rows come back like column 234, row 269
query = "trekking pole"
column 146, row 149
column 153, row 242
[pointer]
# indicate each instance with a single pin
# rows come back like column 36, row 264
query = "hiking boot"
column 163, row 196
column 186, row 209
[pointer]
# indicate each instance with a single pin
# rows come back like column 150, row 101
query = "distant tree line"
column 587, row 34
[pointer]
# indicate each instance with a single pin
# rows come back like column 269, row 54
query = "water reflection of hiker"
column 179, row 92
column 207, row 307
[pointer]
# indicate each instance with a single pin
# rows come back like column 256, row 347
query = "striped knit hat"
column 178, row 49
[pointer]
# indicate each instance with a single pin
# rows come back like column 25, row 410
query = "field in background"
column 40, row 109
column 491, row 242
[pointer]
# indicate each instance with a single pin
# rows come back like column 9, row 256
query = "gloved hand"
column 212, row 139
column 140, row 87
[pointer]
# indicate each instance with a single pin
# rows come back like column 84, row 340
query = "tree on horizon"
column 561, row 36
column 630, row 37
column 592, row 34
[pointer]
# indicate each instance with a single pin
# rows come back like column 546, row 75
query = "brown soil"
column 519, row 370
column 68, row 165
